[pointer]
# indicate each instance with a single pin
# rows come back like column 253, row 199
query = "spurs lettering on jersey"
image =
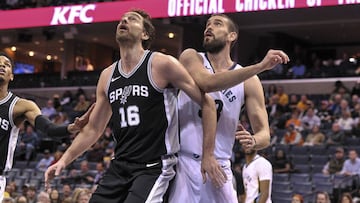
column 131, row 90
column 4, row 124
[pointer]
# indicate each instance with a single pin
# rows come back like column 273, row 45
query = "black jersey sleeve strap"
column 43, row 124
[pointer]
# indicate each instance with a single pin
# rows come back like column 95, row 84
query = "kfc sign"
column 69, row 14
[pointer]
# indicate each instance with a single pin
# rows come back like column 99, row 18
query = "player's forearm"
column 209, row 125
column 227, row 79
column 83, row 141
column 262, row 139
column 46, row 126
column 263, row 197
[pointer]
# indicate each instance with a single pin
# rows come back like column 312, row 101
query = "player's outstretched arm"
column 193, row 62
column 98, row 121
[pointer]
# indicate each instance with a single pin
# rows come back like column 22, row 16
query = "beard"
column 214, row 46
column 125, row 38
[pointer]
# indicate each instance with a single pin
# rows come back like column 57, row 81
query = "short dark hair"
column 7, row 56
column 148, row 26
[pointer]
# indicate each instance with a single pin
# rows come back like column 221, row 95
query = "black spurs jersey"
column 144, row 120
column 8, row 132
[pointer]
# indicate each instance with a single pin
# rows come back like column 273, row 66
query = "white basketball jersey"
column 228, row 104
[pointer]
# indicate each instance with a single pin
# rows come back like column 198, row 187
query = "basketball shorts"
column 126, row 182
column 188, row 185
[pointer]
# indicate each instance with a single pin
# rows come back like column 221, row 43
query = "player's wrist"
column 254, row 144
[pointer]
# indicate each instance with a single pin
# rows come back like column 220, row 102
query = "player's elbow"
column 207, row 86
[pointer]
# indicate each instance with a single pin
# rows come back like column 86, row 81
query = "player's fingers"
column 203, row 173
column 240, row 127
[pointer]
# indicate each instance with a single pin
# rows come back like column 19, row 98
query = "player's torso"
column 228, row 103
column 8, row 131
column 144, row 117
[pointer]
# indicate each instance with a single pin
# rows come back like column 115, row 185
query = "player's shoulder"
column 161, row 60
column 189, row 54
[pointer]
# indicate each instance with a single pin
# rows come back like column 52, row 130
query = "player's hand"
column 273, row 58
column 210, row 167
column 79, row 123
column 52, row 171
column 245, row 138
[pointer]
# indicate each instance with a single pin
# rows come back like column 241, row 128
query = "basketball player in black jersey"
column 14, row 111
column 138, row 94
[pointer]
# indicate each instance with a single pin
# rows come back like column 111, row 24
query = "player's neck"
column 249, row 158
column 3, row 91
column 130, row 57
column 220, row 61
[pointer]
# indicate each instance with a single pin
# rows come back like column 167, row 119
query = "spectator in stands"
column 81, row 106
column 346, row 122
column 270, row 91
column 294, row 119
column 43, row 197
column 341, row 89
column 352, row 164
column 31, row 194
column 335, row 136
column 315, row 137
column 356, row 127
column 309, row 120
column 346, row 198
column 324, row 114
column 54, row 196
column 303, row 104
column 275, row 111
column 293, row 103
column 28, row 142
column 7, row 199
column 335, row 105
column 49, row 110
column 292, row 136
column 100, row 169
column 56, row 102
column 298, row 70
column 81, row 195
column 336, row 163
column 280, row 163
column 322, row 197
column 45, row 162
column 344, row 106
column 283, row 97
column 66, row 101
column 66, row 191
column 355, row 99
column 57, row 155
column 21, row 199
column 297, row 198
column 82, row 176
column 356, row 88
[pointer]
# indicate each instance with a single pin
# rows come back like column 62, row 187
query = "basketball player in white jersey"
column 138, row 93
column 215, row 72
column 257, row 177
column 14, row 111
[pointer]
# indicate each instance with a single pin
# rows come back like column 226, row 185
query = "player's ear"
column 233, row 36
column 145, row 36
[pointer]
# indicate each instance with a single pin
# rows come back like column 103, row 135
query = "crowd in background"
column 295, row 120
